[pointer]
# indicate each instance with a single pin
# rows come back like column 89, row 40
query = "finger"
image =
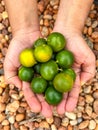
column 88, row 69
column 10, row 74
column 73, row 96
column 14, row 80
column 46, row 108
column 61, row 106
column 31, row 98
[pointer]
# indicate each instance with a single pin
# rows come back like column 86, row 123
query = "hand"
column 84, row 67
column 11, row 64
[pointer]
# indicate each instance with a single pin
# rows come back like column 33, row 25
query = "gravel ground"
column 15, row 113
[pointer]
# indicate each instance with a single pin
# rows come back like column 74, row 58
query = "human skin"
column 70, row 22
column 25, row 28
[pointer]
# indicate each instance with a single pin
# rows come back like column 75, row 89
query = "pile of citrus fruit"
column 47, row 66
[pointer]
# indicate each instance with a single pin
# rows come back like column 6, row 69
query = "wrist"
column 27, row 35
column 73, row 13
column 25, row 29
column 68, row 30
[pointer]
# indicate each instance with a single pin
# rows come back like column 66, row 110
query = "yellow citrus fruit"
column 26, row 57
column 43, row 53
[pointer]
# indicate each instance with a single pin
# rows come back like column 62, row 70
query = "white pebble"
column 65, row 122
column 53, row 127
column 11, row 119
column 92, row 124
column 70, row 115
column 73, row 122
column 12, row 107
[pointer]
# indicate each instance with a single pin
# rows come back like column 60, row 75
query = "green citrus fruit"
column 48, row 70
column 38, row 84
column 39, row 41
column 43, row 53
column 56, row 41
column 63, row 82
column 70, row 72
column 26, row 57
column 37, row 68
column 65, row 59
column 52, row 96
column 26, row 73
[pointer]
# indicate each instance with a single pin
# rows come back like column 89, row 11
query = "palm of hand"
column 84, row 66
column 11, row 65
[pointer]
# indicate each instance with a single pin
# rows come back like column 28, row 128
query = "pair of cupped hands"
column 84, row 66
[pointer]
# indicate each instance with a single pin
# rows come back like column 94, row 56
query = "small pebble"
column 23, row 127
column 50, row 120
column 4, row 15
column 15, row 96
column 95, row 106
column 2, row 117
column 73, row 122
column 2, row 107
column 87, row 89
column 89, row 99
column 11, row 119
column 2, row 82
column 1, row 90
column 95, row 35
column 49, row 17
column 83, row 125
column 6, row 127
column 57, row 121
column 70, row 127
column 44, row 124
column 5, row 122
column 92, row 125
column 94, row 24
column 13, row 107
column 20, row 117
column 70, row 115
column 95, row 94
column 96, row 46
column 54, row 2
column 45, row 31
column 62, row 128
column 79, row 120
column 96, row 119
column 53, row 127
column 96, row 127
column 65, row 122
column 88, row 110
column 88, row 22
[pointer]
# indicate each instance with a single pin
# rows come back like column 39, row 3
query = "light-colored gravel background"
column 15, row 113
